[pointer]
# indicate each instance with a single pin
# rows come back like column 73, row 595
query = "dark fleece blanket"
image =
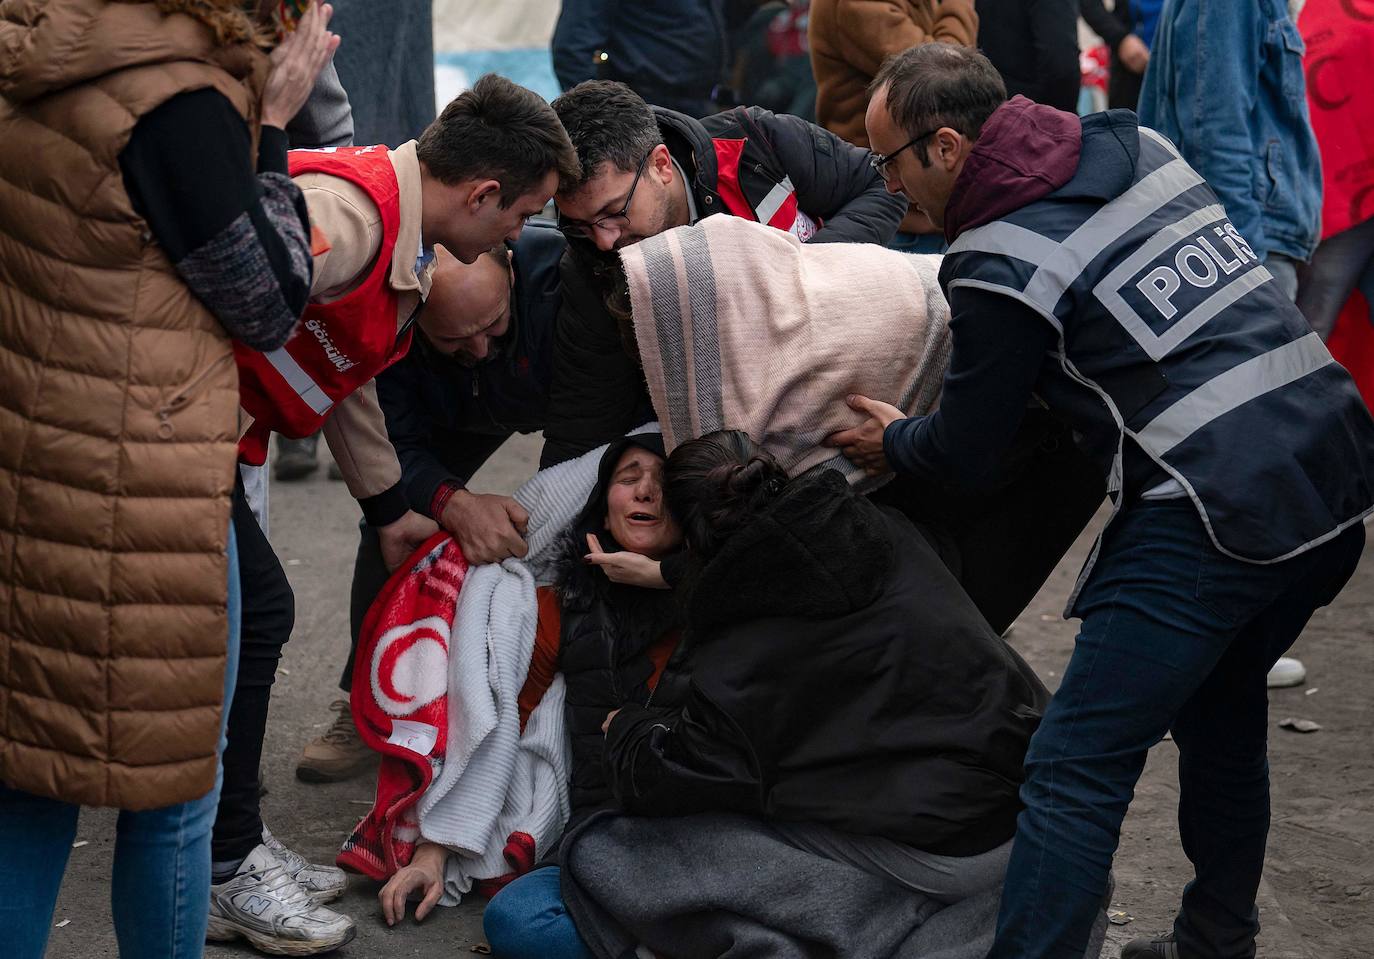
column 724, row 885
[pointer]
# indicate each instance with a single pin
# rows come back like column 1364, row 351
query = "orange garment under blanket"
column 544, row 661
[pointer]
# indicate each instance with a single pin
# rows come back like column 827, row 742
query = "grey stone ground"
column 1318, row 900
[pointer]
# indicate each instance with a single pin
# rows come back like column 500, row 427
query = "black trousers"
column 269, row 612
column 1005, row 543
column 369, row 576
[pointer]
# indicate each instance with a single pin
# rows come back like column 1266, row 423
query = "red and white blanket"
column 400, row 700
column 403, row 709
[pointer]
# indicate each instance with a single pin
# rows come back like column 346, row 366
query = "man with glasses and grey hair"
column 648, row 169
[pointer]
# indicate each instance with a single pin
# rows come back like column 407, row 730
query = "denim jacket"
column 1226, row 84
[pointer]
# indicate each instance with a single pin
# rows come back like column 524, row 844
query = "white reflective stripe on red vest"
column 299, row 380
column 773, row 202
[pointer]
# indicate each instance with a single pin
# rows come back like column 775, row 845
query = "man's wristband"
column 441, row 497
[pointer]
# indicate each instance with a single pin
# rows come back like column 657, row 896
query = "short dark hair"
column 607, row 122
column 716, row 485
column 498, row 130
column 940, row 85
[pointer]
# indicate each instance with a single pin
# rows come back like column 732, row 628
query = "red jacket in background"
column 1340, row 95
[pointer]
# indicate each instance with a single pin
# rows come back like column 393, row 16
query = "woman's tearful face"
column 635, row 514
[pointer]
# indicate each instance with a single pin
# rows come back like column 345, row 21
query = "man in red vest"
column 492, row 159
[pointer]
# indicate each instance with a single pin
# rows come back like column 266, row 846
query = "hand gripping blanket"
column 741, row 326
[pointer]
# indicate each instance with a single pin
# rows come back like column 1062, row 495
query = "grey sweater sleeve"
column 326, row 120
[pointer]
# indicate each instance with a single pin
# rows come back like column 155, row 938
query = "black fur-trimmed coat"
column 605, row 634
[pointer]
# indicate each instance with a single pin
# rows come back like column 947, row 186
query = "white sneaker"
column 264, row 905
column 323, row 883
column 1287, row 672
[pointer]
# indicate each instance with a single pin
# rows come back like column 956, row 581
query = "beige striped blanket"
column 740, row 326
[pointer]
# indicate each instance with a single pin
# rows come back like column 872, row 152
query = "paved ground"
column 1318, row 900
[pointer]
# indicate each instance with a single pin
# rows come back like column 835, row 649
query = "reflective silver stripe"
column 1108, row 291
column 1105, row 227
column 299, row 380
column 1015, row 294
column 1162, row 140
column 773, row 202
column 1234, row 388
column 1005, row 239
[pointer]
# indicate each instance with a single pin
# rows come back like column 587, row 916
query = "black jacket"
column 598, row 388
column 605, row 634
column 1113, row 26
column 445, row 419
column 1034, row 45
column 839, row 676
column 670, row 52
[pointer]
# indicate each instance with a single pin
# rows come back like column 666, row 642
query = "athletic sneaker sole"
column 221, row 930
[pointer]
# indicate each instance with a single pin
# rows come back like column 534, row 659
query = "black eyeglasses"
column 880, row 161
column 610, row 221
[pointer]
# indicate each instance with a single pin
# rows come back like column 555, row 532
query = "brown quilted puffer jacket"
column 850, row 39
column 118, row 419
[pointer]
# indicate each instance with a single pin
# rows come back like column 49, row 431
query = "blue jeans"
column 160, row 891
column 528, row 920
column 1175, row 636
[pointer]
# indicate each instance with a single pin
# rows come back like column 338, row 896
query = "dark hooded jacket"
column 606, row 632
column 839, row 676
column 598, row 391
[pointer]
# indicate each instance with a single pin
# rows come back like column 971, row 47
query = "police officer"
column 1092, row 270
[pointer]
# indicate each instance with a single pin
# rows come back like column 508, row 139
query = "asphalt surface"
column 1318, row 899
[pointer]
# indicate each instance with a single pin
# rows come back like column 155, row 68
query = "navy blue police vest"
column 1174, row 337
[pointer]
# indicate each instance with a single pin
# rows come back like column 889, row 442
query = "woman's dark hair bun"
column 717, row 484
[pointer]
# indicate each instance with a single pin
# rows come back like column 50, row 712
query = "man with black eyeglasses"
column 646, row 170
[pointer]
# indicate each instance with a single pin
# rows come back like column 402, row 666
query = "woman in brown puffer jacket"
column 118, row 421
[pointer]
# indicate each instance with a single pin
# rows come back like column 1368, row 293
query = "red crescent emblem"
column 386, row 666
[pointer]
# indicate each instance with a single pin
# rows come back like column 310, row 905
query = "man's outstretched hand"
column 488, row 528
column 424, row 875
column 403, row 537
column 862, row 445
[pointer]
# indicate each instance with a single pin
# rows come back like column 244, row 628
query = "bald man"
column 478, row 372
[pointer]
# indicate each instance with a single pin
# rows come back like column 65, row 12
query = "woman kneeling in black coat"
column 844, row 687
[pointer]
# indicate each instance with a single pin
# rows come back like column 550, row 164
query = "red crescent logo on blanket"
column 410, row 666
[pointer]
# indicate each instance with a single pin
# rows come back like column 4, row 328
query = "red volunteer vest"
column 338, row 346
column 777, row 209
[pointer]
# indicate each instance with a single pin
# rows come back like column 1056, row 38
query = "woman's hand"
column 425, row 872
column 632, row 569
column 296, row 63
column 606, row 726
